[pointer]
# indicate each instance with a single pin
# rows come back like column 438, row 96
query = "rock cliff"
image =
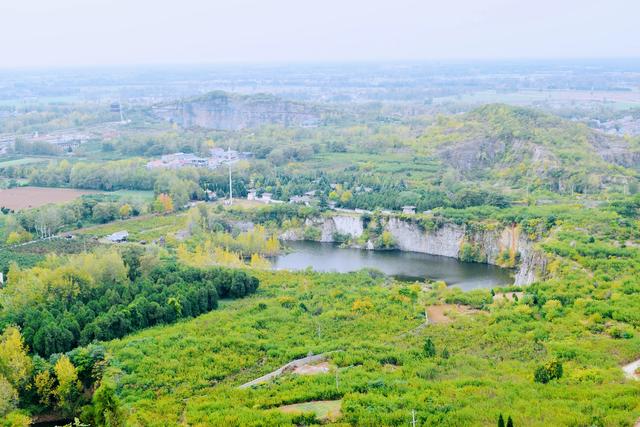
column 494, row 246
column 445, row 241
column 224, row 111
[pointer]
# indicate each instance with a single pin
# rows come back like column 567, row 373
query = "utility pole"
column 230, row 184
column 413, row 418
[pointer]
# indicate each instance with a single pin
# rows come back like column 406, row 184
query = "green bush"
column 548, row 372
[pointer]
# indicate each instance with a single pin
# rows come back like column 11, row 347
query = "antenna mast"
column 230, row 184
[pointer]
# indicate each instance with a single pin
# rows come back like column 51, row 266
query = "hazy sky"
column 100, row 32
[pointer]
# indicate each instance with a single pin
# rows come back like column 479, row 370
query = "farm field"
column 621, row 99
column 32, row 197
column 147, row 227
column 22, row 161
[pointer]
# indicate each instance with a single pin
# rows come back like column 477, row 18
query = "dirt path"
column 630, row 370
column 291, row 366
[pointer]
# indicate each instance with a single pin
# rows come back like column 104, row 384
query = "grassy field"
column 22, row 161
column 145, row 196
column 324, row 410
column 147, row 227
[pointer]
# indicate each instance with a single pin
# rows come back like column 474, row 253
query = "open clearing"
column 22, row 161
column 446, row 313
column 510, row 296
column 33, row 197
column 323, row 409
column 308, row 369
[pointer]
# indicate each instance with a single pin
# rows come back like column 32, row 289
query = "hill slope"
column 524, row 147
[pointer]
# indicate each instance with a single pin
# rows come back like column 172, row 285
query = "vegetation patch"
column 447, row 313
column 324, row 410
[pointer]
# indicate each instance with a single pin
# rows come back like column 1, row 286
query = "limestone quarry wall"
column 446, row 240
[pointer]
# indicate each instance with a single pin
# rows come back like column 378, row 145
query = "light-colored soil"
column 320, row 368
column 632, row 370
column 324, row 409
column 507, row 295
column 446, row 313
column 33, row 197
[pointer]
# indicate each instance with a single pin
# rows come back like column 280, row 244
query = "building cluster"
column 305, row 199
column 217, row 157
column 264, row 198
column 65, row 140
column 267, row 198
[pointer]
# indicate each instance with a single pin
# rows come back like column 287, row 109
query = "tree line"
column 102, row 297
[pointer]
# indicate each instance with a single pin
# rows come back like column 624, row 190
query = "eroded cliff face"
column 225, row 111
column 445, row 241
column 499, row 246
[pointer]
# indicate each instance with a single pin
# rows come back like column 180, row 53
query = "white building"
column 409, row 210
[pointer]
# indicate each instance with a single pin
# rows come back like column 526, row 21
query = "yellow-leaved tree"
column 272, row 247
column 259, row 262
column 44, row 387
column 125, row 210
column 15, row 368
column 69, row 386
column 15, row 363
column 163, row 203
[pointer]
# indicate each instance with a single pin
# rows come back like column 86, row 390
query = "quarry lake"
column 329, row 257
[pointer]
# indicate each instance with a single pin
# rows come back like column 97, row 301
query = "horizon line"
column 319, row 62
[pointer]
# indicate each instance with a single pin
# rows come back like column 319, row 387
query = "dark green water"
column 328, row 257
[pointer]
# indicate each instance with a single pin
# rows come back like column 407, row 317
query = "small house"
column 306, row 200
column 409, row 210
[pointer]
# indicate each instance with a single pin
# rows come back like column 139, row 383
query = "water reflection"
column 328, row 257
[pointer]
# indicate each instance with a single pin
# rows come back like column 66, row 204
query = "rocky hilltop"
column 520, row 147
column 225, row 111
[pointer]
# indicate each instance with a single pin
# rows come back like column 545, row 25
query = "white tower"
column 230, row 183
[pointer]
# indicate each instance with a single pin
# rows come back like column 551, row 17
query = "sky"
column 130, row 32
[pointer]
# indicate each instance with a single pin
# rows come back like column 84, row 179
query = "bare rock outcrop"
column 224, row 111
